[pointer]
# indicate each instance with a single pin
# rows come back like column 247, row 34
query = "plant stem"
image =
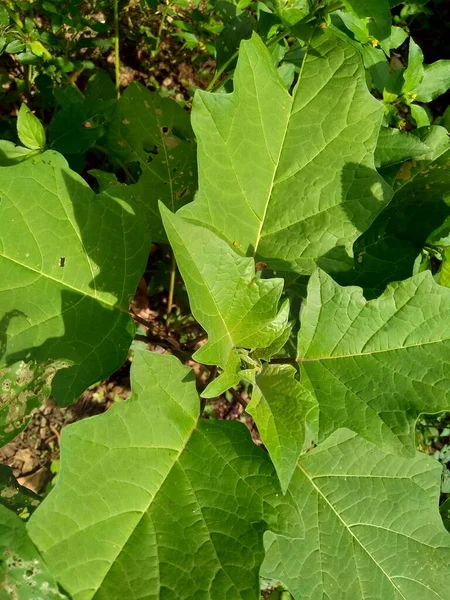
column 160, row 28
column 116, row 47
column 173, row 269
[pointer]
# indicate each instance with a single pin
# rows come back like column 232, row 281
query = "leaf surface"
column 166, row 506
column 279, row 407
column 387, row 250
column 70, row 262
column 155, row 134
column 236, row 309
column 375, row 366
column 372, row 529
column 284, row 177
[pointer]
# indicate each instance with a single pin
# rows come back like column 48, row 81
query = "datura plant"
column 305, row 253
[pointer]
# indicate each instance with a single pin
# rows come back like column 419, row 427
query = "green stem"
column 116, row 47
column 173, row 269
column 160, row 28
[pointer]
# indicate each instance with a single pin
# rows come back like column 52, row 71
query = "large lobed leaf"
column 70, row 262
column 370, row 528
column 375, row 366
column 165, row 506
column 289, row 177
column 168, row 506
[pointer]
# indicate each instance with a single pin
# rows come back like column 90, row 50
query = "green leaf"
column 279, row 408
column 30, row 130
column 23, row 573
column 395, row 146
column 167, row 505
column 414, row 72
column 398, row 36
column 387, row 250
column 77, row 127
column 275, row 182
column 4, row 17
column 156, row 134
column 70, row 262
column 10, row 154
column 15, row 497
column 371, row 527
column 234, row 307
column 24, row 386
column 436, row 81
column 420, row 115
column 378, row 16
column 375, row 366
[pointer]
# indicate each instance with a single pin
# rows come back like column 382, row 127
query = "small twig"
column 55, row 432
column 236, row 395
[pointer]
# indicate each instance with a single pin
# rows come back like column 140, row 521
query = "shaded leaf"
column 14, row 496
column 395, row 146
column 274, row 181
column 156, row 134
column 377, row 13
column 387, row 250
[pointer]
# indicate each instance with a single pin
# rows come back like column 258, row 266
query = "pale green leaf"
column 10, row 154
column 279, row 409
column 420, row 115
column 234, row 307
column 23, row 573
column 398, row 36
column 30, row 130
column 371, row 526
column 436, row 81
column 166, row 506
column 70, row 262
column 375, row 366
column 277, row 182
column 24, row 386
column 413, row 74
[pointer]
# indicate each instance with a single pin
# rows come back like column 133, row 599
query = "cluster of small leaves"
column 306, row 195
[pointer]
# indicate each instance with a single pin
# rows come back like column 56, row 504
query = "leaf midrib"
column 65, row 284
column 277, row 163
column 373, row 352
